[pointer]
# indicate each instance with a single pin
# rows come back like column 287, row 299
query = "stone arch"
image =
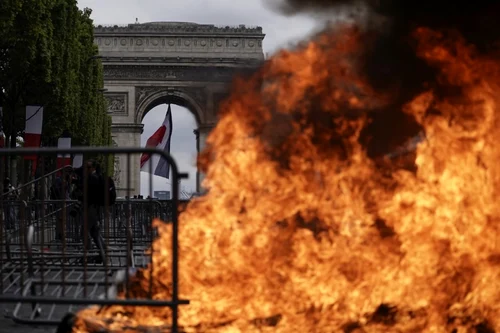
column 165, row 96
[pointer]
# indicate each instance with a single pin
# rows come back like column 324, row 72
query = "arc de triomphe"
column 187, row 64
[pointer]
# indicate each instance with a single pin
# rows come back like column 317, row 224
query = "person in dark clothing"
column 60, row 191
column 91, row 205
column 9, row 194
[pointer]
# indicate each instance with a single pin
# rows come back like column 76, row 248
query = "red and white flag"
column 63, row 159
column 33, row 130
column 160, row 140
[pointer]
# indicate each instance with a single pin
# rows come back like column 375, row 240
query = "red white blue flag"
column 155, row 163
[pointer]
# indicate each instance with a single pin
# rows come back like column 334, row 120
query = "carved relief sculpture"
column 141, row 93
column 117, row 103
column 196, row 93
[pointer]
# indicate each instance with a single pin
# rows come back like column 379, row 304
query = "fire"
column 303, row 231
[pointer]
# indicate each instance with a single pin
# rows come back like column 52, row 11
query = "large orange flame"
column 301, row 231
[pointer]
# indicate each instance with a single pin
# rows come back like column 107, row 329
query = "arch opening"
column 183, row 146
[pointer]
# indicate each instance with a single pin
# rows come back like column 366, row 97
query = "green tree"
column 25, row 49
column 48, row 57
column 25, row 62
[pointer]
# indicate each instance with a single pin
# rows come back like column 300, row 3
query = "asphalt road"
column 54, row 313
column 7, row 325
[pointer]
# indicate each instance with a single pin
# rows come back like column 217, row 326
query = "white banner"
column 34, row 119
column 64, row 143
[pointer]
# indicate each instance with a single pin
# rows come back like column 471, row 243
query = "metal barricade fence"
column 33, row 212
column 138, row 214
column 57, row 256
column 168, row 208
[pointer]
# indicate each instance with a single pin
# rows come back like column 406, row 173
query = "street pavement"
column 7, row 325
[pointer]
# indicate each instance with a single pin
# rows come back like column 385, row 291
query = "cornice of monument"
column 174, row 73
column 178, row 28
column 182, row 61
column 127, row 128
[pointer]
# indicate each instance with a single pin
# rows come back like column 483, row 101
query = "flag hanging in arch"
column 160, row 140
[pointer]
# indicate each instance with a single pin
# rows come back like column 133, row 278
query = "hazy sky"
column 280, row 32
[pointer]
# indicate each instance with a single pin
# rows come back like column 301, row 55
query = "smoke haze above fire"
column 473, row 18
column 389, row 62
column 477, row 21
column 393, row 21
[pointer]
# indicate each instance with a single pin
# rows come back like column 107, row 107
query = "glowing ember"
column 304, row 231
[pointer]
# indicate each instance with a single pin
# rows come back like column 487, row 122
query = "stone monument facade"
column 187, row 64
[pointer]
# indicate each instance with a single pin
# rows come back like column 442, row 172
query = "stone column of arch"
column 203, row 132
column 196, row 133
column 127, row 176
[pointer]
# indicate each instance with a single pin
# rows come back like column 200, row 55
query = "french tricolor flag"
column 33, row 130
column 160, row 140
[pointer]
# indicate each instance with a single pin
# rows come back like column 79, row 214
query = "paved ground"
column 57, row 276
column 7, row 325
column 15, row 328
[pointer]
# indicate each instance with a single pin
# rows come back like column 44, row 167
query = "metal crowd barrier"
column 52, row 264
column 138, row 214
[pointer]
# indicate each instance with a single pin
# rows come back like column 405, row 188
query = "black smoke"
column 391, row 52
column 476, row 20
column 390, row 62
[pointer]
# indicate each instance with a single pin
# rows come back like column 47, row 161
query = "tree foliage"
column 48, row 57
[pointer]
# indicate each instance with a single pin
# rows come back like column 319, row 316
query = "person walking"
column 91, row 203
column 60, row 193
column 8, row 196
